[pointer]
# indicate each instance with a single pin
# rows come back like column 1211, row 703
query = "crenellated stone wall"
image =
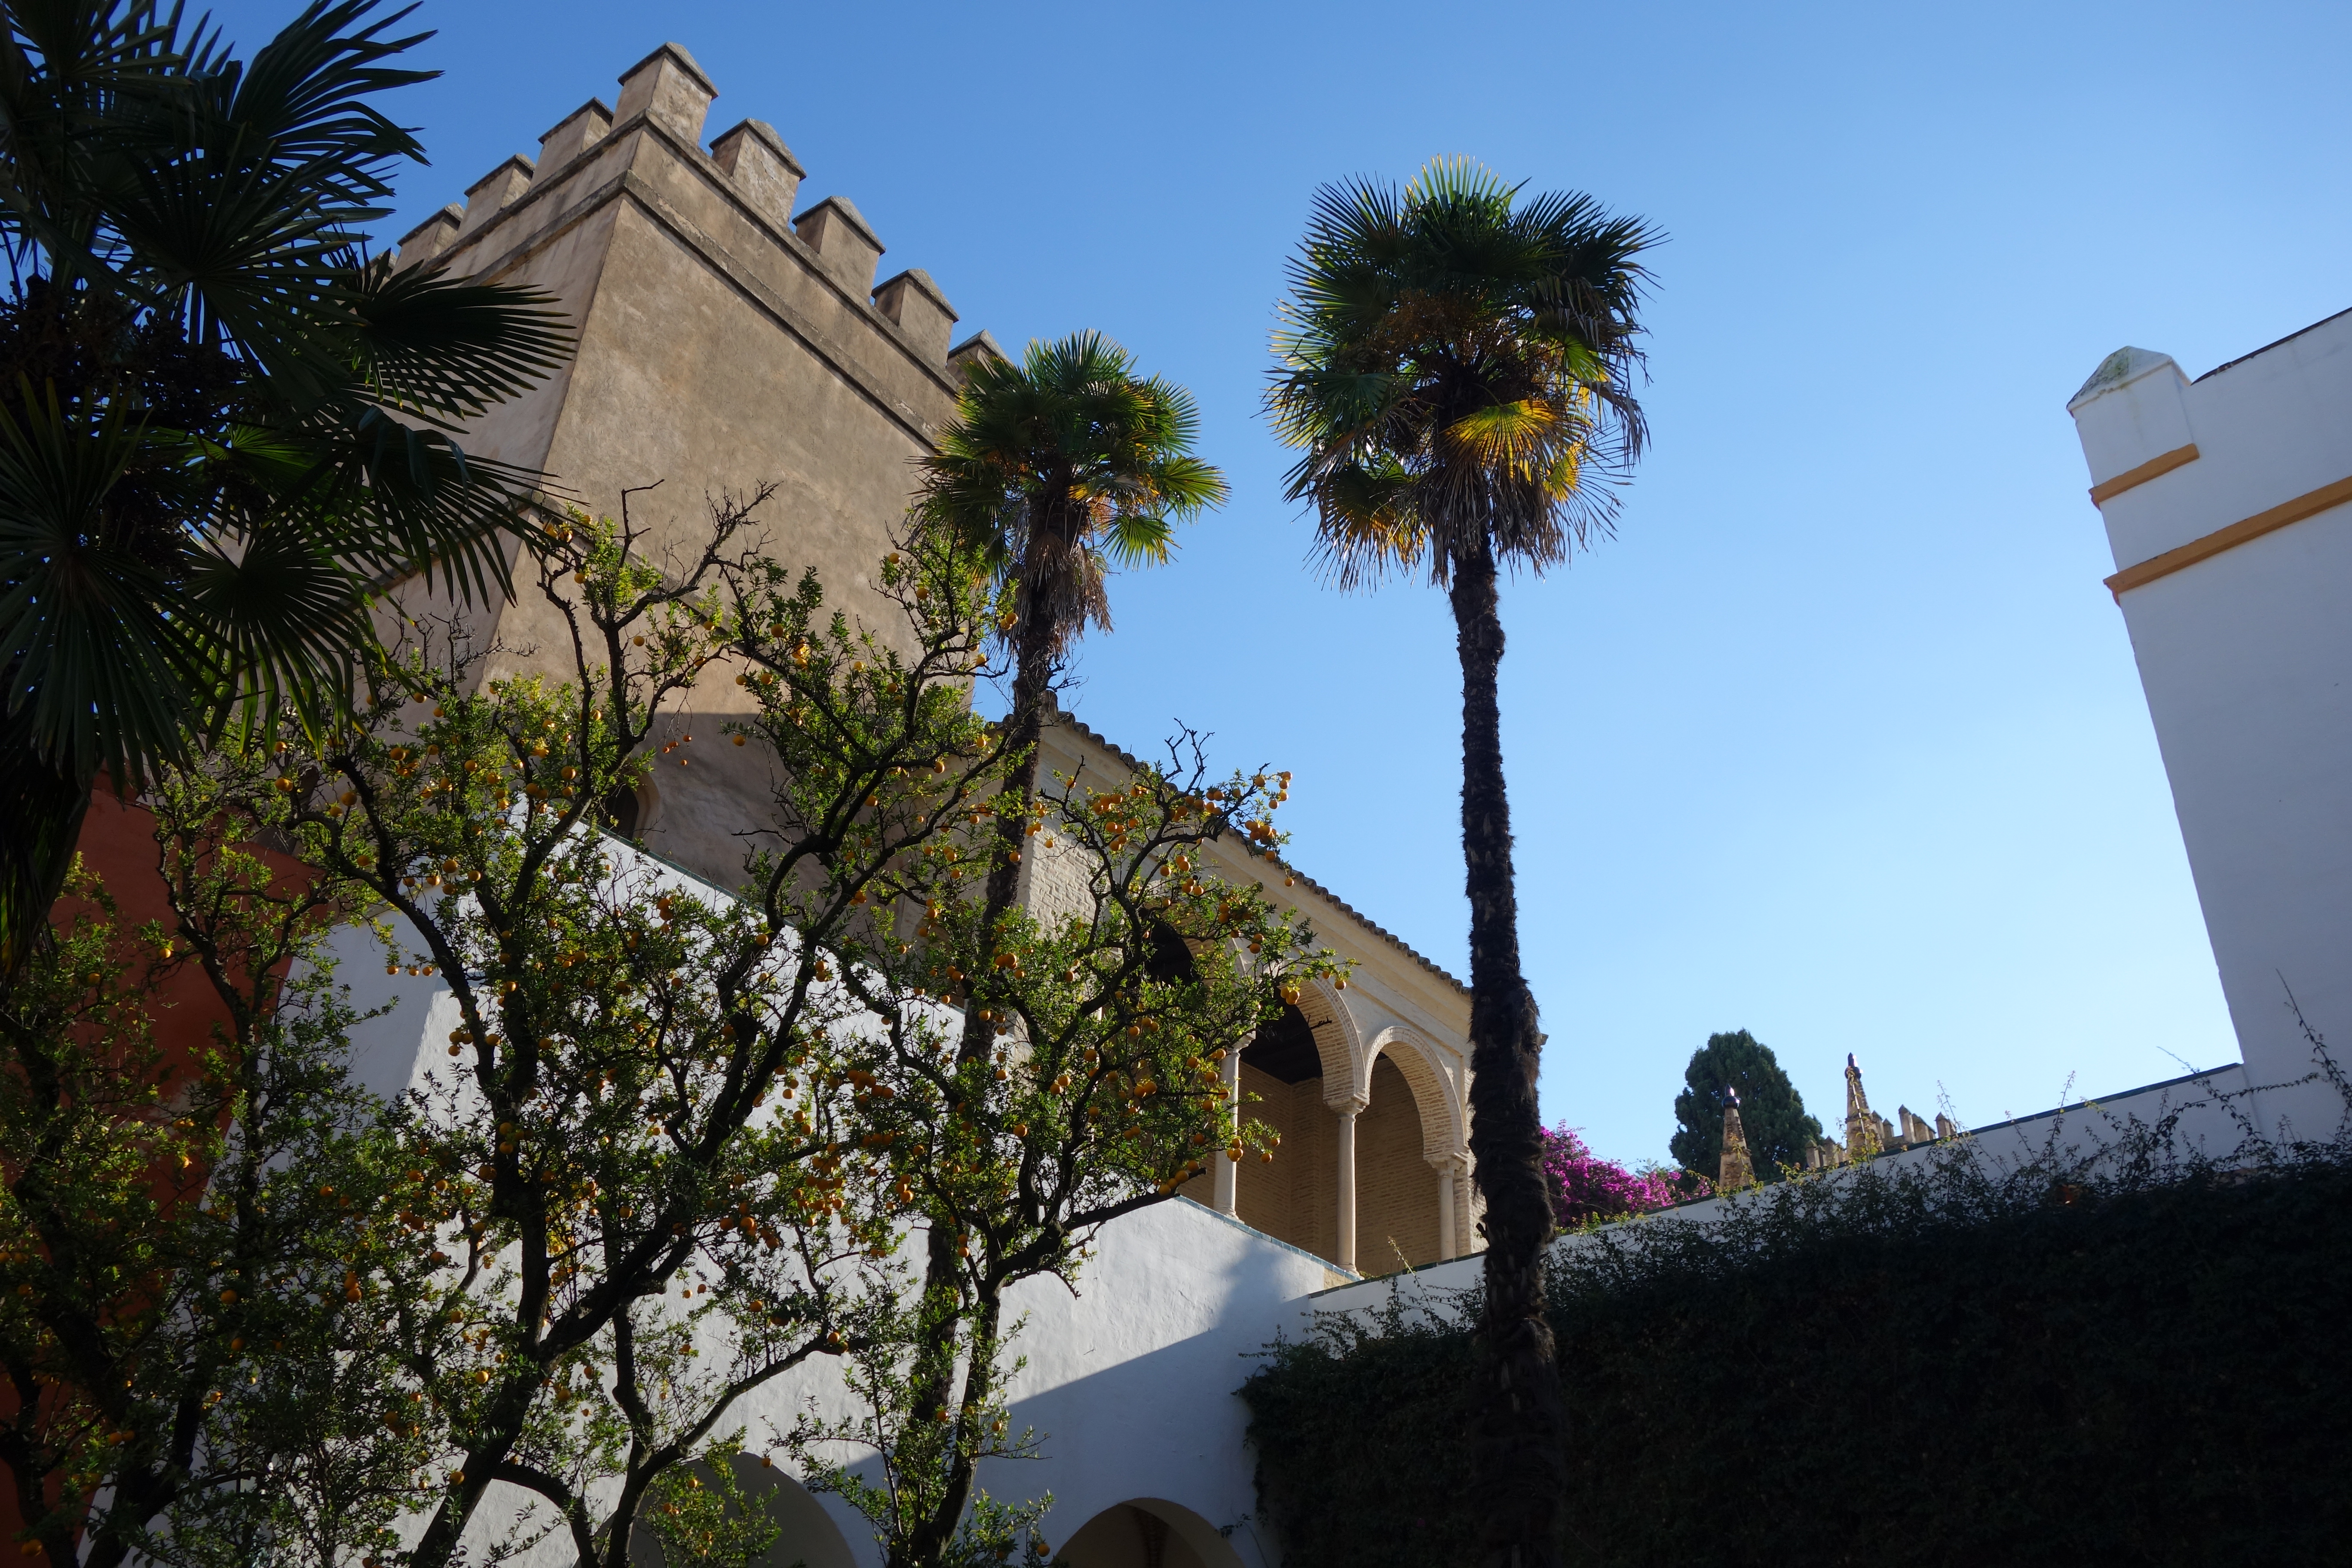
column 723, row 342
column 732, row 332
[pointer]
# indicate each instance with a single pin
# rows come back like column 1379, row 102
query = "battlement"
column 736, row 199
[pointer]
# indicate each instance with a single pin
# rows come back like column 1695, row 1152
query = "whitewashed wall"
column 2245, row 654
column 1131, row 1380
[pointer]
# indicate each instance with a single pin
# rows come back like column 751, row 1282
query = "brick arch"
column 1444, row 1128
column 1337, row 1042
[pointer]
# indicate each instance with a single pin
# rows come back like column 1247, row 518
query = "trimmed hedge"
column 1899, row 1371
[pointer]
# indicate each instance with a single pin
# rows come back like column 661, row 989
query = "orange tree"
column 640, row 1161
column 1096, row 1095
column 198, row 1276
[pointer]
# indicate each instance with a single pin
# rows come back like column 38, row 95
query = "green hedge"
column 1925, row 1368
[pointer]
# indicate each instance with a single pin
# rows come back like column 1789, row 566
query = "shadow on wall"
column 1148, row 1533
column 808, row 1536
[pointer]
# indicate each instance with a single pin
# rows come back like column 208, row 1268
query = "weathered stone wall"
column 722, row 343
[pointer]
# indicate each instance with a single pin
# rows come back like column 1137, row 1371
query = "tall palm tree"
column 1454, row 367
column 1056, row 470
column 223, row 427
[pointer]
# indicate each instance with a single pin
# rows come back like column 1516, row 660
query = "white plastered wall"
column 2228, row 507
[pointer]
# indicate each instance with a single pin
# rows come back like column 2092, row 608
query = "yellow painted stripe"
column 2309, row 504
column 2106, row 490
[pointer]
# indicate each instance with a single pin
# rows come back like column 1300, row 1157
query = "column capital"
column 1449, row 1161
column 1348, row 1105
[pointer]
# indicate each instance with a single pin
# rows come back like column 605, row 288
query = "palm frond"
column 445, row 349
column 283, row 623
column 309, row 94
column 1062, row 463
column 258, row 428
column 391, row 500
column 99, row 667
column 1452, row 355
column 1138, row 538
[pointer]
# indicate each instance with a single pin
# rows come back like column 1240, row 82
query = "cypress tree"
column 1771, row 1111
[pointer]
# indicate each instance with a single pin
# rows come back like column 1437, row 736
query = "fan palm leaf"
column 230, row 426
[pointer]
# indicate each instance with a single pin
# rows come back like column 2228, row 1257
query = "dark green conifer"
column 1771, row 1110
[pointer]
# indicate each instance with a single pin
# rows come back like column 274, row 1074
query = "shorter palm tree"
column 1454, row 367
column 1054, row 470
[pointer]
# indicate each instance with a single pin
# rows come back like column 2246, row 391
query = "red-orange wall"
column 118, row 842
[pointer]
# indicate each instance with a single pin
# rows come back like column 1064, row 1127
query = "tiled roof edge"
column 1064, row 715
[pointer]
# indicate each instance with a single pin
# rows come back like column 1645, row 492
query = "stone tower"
column 730, row 334
column 723, row 341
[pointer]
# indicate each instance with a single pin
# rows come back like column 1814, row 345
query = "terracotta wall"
column 118, row 842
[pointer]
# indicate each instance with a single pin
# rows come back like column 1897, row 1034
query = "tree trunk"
column 1031, row 679
column 1519, row 1436
column 929, row 1542
column 44, row 810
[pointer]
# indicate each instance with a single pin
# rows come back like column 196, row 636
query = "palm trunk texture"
column 1518, row 1434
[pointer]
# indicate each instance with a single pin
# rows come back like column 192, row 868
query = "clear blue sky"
column 1841, row 740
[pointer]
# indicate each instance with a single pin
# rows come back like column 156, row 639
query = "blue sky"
column 1840, row 741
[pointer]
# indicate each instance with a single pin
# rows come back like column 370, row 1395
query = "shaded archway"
column 1444, row 1141
column 1289, row 1197
column 1444, row 1126
column 1148, row 1533
column 805, row 1534
column 1368, row 1174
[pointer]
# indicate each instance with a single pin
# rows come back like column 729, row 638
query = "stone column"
column 1227, row 1184
column 1345, row 1253
column 1449, row 1169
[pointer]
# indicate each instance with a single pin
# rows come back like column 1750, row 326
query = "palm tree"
column 1053, row 470
column 1454, row 367
column 224, row 427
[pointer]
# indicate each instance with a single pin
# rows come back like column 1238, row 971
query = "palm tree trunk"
column 1031, row 679
column 44, row 808
column 1519, row 1436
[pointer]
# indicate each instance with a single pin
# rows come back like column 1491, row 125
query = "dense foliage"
column 680, row 1139
column 1098, row 1094
column 2060, row 1361
column 1771, row 1111
column 199, row 1279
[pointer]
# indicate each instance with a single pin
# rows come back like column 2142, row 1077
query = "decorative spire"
column 1736, row 1170
column 1862, row 1124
